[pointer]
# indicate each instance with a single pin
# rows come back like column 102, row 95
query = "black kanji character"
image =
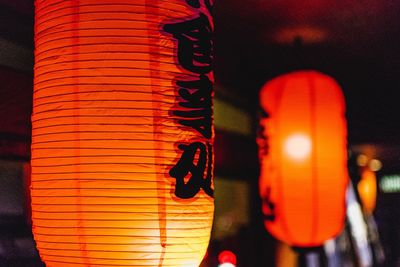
column 197, row 96
column 186, row 165
column 194, row 43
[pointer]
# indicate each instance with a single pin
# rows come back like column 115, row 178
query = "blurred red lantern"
column 303, row 158
column 227, row 256
column 122, row 132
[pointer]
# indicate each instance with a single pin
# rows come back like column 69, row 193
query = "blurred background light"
column 227, row 257
column 375, row 165
column 390, row 183
column 362, row 160
column 359, row 230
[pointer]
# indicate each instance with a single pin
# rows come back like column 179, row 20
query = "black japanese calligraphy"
column 196, row 4
column 268, row 207
column 193, row 3
column 200, row 177
column 197, row 99
column 194, row 43
column 194, row 99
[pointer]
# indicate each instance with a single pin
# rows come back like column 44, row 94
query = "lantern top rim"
column 279, row 82
column 304, row 72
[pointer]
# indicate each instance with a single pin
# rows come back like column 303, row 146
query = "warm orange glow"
column 362, row 160
column 285, row 256
column 304, row 168
column 367, row 190
column 120, row 175
column 298, row 146
column 375, row 165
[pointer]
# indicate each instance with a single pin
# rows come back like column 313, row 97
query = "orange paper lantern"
column 303, row 157
column 367, row 190
column 122, row 134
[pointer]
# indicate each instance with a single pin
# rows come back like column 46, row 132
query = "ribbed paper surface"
column 105, row 137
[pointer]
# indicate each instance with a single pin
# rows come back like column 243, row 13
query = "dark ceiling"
column 356, row 42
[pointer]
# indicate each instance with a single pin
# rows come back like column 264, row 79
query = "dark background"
column 356, row 42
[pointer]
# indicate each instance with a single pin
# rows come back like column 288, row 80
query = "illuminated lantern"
column 302, row 149
column 367, row 190
column 122, row 132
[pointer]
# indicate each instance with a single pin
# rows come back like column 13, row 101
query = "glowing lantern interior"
column 303, row 158
column 298, row 146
